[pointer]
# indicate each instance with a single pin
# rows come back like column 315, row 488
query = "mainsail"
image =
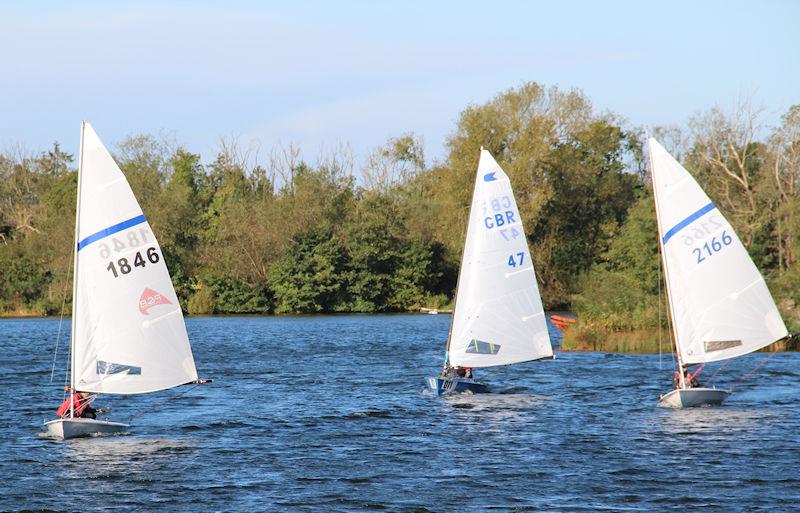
column 129, row 336
column 721, row 307
column 499, row 318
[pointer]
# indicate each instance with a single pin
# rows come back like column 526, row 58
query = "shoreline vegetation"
column 253, row 232
column 643, row 341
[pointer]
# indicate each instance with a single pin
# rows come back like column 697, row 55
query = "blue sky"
column 323, row 73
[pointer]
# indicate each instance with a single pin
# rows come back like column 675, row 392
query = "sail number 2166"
column 124, row 266
column 710, row 248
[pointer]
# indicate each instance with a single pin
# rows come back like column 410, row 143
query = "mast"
column 671, row 313
column 460, row 267
column 74, row 322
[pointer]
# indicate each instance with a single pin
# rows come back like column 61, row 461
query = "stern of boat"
column 440, row 385
column 64, row 429
column 693, row 397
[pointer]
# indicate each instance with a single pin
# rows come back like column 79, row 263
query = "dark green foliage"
column 621, row 291
column 310, row 278
column 231, row 296
column 635, row 248
column 373, row 236
column 22, row 279
column 420, row 273
column 367, row 265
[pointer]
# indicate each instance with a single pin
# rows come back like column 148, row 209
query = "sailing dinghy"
column 128, row 334
column 498, row 317
column 719, row 303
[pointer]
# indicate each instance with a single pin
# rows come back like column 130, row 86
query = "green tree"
column 311, row 276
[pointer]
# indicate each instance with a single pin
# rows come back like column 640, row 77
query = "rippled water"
column 330, row 414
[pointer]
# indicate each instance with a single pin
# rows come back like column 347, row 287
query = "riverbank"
column 22, row 313
column 27, row 314
column 643, row 341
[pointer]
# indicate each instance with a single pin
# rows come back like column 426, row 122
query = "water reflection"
column 724, row 419
column 501, row 404
column 119, row 456
column 492, row 414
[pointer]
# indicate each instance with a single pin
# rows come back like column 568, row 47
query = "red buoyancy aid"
column 80, row 405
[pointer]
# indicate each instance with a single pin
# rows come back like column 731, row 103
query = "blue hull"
column 440, row 385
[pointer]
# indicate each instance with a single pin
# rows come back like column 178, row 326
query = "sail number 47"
column 513, row 262
column 124, row 265
column 710, row 248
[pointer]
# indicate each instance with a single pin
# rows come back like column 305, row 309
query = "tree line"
column 289, row 234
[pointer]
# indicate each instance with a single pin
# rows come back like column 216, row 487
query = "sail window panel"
column 482, row 347
column 719, row 345
column 117, row 368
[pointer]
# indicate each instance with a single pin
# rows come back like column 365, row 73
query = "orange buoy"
column 562, row 322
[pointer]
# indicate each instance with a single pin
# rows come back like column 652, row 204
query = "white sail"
column 499, row 318
column 720, row 304
column 129, row 335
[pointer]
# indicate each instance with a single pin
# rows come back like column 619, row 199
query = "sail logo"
column 151, row 298
column 489, row 177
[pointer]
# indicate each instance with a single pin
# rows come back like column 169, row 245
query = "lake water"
column 330, row 413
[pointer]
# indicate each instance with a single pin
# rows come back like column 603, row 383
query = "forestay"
column 130, row 336
column 720, row 304
column 498, row 318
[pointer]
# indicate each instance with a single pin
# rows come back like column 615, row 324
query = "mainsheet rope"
column 760, row 364
column 716, row 371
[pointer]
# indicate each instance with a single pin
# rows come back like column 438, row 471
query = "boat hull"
column 440, row 386
column 693, row 397
column 64, row 429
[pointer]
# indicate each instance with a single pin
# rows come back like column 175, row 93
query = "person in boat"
column 689, row 378
column 458, row 372
column 83, row 408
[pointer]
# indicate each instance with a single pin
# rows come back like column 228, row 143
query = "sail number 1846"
column 125, row 266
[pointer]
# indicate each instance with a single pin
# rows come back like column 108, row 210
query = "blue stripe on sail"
column 686, row 222
column 111, row 230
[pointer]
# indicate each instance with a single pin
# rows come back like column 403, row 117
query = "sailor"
column 461, row 372
column 83, row 408
column 452, row 372
column 689, row 379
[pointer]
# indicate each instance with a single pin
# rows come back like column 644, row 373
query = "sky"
column 319, row 74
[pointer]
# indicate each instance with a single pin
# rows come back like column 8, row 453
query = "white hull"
column 692, row 397
column 64, row 429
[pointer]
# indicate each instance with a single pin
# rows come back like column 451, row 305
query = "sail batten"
column 129, row 335
column 499, row 318
column 721, row 306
